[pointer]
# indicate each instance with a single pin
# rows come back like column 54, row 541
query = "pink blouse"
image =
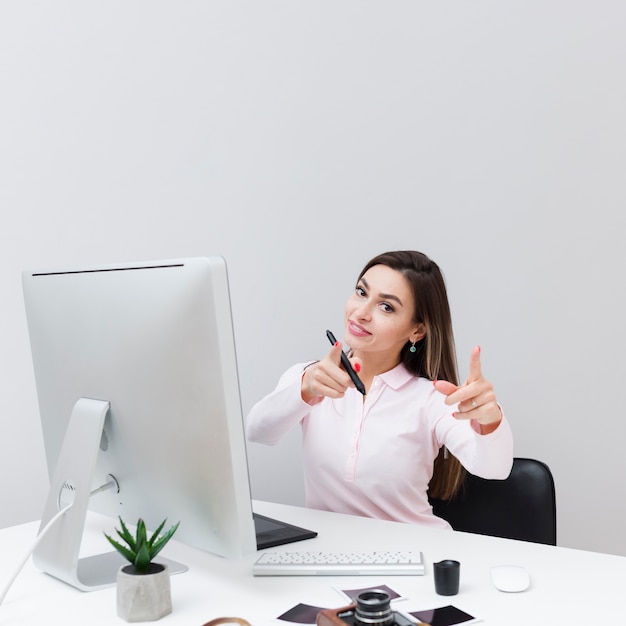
column 374, row 456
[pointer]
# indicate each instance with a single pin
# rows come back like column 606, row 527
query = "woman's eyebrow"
column 390, row 296
column 384, row 296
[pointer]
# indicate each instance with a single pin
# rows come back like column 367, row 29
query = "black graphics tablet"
column 272, row 532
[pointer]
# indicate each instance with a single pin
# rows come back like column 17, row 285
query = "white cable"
column 111, row 484
column 40, row 536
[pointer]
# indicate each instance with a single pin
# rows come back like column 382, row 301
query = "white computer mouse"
column 510, row 578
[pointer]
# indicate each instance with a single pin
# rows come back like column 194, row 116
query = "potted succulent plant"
column 143, row 587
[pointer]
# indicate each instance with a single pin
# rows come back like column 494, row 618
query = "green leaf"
column 155, row 534
column 143, row 558
column 142, row 534
column 160, row 544
column 126, row 536
column 129, row 555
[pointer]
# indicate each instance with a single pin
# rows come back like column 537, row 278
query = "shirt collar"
column 397, row 376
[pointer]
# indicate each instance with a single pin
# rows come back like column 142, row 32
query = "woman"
column 381, row 454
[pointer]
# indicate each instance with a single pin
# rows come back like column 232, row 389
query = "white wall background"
column 298, row 138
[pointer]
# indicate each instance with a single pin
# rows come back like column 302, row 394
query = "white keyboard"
column 404, row 563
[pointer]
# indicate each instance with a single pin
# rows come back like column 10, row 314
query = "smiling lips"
column 356, row 330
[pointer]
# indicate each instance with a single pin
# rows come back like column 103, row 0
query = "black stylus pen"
column 358, row 383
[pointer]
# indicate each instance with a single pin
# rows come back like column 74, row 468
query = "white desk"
column 568, row 586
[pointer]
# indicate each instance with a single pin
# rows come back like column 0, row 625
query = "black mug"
column 447, row 574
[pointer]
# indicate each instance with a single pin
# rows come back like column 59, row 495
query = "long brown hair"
column 435, row 356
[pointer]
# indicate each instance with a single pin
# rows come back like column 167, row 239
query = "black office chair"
column 523, row 506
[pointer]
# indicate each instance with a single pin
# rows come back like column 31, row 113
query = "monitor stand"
column 57, row 553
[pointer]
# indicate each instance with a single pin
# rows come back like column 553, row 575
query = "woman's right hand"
column 327, row 378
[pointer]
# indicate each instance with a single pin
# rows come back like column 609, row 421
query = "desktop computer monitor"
column 136, row 376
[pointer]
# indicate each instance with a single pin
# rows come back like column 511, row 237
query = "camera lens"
column 372, row 608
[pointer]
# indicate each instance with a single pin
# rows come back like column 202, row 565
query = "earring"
column 412, row 348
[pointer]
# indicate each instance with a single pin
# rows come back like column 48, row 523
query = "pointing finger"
column 340, row 375
column 475, row 371
column 335, row 353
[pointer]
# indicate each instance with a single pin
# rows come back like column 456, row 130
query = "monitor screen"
column 136, row 376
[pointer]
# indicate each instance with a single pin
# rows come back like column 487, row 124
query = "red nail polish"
column 357, row 367
column 336, row 343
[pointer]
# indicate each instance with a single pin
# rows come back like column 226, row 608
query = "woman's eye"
column 360, row 291
column 385, row 306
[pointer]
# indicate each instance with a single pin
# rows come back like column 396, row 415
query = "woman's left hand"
column 476, row 398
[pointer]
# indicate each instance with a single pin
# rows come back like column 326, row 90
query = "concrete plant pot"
column 143, row 597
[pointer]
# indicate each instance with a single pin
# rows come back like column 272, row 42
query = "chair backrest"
column 523, row 506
